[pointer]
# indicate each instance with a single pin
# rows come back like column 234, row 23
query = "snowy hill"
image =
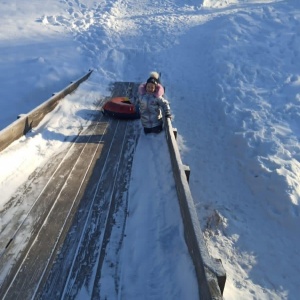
column 232, row 74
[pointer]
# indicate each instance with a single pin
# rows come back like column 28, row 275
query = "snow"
column 231, row 71
column 153, row 230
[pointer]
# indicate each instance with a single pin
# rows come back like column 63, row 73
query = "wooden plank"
column 83, row 251
column 63, row 204
column 57, row 204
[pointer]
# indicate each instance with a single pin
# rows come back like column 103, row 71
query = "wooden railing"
column 210, row 273
column 30, row 120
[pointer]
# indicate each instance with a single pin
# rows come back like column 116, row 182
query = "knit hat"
column 154, row 78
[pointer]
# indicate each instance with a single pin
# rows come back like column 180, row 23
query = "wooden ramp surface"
column 71, row 202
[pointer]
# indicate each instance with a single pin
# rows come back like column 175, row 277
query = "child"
column 152, row 104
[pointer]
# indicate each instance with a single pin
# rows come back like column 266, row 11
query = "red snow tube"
column 121, row 107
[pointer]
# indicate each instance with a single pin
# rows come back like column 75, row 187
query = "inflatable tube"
column 120, row 107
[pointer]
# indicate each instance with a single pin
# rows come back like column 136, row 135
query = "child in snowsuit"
column 152, row 104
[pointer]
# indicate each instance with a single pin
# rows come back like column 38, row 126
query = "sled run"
column 67, row 241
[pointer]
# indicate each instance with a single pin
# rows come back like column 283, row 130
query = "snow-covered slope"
column 231, row 71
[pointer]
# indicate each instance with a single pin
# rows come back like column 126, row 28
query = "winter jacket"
column 152, row 109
